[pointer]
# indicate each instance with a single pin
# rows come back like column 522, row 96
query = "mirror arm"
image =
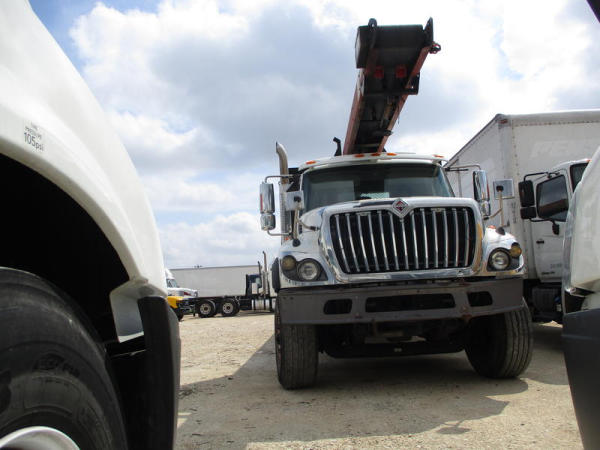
column 461, row 168
column 308, row 227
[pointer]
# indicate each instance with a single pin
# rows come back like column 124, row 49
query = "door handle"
column 540, row 241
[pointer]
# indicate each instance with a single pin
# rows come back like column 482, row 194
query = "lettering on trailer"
column 33, row 136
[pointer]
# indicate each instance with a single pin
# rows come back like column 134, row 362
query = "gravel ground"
column 230, row 397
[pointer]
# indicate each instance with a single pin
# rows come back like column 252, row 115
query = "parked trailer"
column 537, row 146
column 226, row 290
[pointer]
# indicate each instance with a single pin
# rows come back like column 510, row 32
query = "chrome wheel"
column 38, row 438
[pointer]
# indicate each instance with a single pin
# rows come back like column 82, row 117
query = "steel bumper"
column 400, row 303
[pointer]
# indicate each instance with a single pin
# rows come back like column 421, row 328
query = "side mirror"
column 526, row 195
column 528, row 212
column 481, row 189
column 267, row 199
column 294, row 200
column 504, row 189
column 267, row 221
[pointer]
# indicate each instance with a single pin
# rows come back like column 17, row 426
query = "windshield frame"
column 441, row 175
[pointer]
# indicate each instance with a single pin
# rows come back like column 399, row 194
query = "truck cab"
column 540, row 193
column 378, row 257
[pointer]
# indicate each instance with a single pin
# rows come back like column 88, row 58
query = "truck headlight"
column 309, row 270
column 499, row 259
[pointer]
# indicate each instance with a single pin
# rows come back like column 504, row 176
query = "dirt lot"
column 230, row 397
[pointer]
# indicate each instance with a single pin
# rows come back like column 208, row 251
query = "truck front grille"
column 426, row 238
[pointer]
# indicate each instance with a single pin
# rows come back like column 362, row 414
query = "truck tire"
column 53, row 372
column 229, row 307
column 206, row 308
column 296, row 353
column 500, row 346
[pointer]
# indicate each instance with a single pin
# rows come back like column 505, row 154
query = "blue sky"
column 200, row 90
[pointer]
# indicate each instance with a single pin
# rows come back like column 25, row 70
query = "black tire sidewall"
column 213, row 309
column 235, row 308
column 52, row 372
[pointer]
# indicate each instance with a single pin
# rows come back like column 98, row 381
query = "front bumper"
column 400, row 303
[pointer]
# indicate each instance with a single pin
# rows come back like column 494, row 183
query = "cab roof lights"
column 348, row 159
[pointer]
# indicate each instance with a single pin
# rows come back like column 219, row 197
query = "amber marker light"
column 515, row 250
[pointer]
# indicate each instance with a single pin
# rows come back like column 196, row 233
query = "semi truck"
column 378, row 257
column 89, row 348
column 549, row 151
column 226, row 290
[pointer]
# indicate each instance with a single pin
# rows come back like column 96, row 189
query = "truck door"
column 548, row 245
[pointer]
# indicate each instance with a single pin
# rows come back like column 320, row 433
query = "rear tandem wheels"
column 227, row 307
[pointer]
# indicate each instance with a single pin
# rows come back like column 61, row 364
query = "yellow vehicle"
column 173, row 301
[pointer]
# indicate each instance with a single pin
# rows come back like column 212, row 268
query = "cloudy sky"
column 200, row 90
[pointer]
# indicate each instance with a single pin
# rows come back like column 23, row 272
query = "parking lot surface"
column 230, row 397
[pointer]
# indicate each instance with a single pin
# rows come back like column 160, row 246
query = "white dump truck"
column 89, row 348
column 550, row 151
column 378, row 256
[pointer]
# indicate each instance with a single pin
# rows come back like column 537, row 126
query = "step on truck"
column 89, row 348
column 378, row 256
column 531, row 160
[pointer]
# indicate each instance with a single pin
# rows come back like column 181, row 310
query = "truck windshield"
column 172, row 283
column 372, row 181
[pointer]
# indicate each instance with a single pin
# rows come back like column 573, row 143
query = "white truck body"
column 81, row 267
column 78, row 151
column 216, row 281
column 511, row 146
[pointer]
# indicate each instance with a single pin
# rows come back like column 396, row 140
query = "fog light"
column 515, row 250
column 288, row 263
column 309, row 270
column 499, row 259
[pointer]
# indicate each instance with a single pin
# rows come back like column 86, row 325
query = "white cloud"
column 224, row 240
column 199, row 90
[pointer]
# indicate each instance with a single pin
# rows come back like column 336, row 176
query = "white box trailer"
column 215, row 281
column 510, row 147
column 226, row 290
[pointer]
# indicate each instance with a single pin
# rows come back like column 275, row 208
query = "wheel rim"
column 227, row 308
column 38, row 438
column 205, row 309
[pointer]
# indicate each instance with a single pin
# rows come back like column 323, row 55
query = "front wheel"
column 54, row 382
column 500, row 346
column 296, row 353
